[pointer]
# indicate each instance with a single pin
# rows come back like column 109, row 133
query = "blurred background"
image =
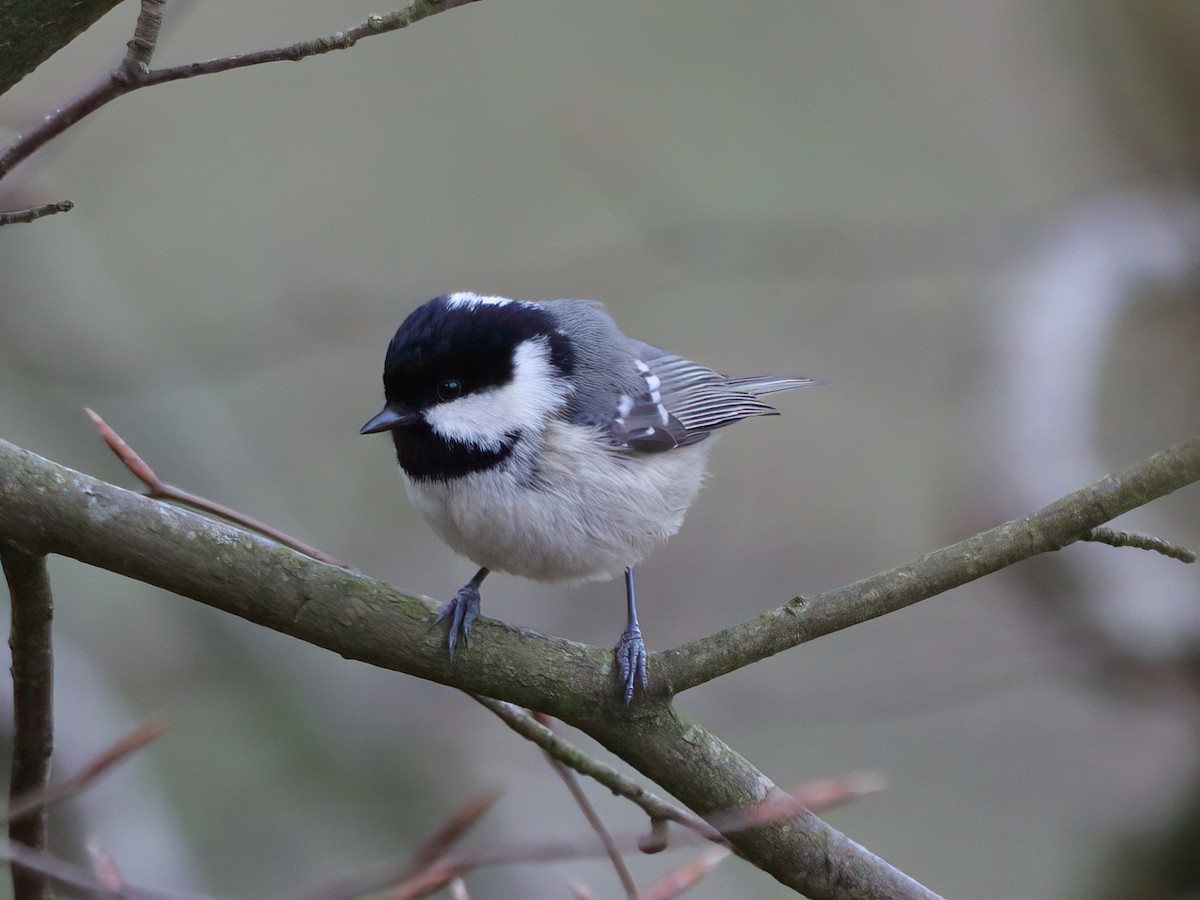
column 976, row 221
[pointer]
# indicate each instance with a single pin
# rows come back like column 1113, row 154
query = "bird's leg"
column 462, row 610
column 630, row 650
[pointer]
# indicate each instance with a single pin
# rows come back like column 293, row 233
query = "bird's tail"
column 756, row 385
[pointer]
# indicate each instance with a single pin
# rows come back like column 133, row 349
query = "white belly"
column 572, row 522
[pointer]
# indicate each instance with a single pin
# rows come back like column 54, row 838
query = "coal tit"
column 537, row 439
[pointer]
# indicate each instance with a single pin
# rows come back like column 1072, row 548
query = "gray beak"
column 391, row 417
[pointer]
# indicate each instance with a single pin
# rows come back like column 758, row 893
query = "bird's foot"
column 631, row 660
column 462, row 611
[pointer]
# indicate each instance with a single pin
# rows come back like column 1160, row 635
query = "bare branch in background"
column 59, row 870
column 134, row 72
column 1053, row 527
column 33, row 801
column 33, row 702
column 18, row 216
column 567, row 753
column 687, row 876
column 589, row 813
column 160, row 490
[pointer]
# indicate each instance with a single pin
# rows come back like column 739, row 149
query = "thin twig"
column 161, row 490
column 525, row 725
column 1052, row 527
column 1115, row 538
column 589, row 812
column 134, row 72
column 33, row 701
column 444, row 868
column 17, row 216
column 426, row 871
column 453, row 830
column 63, row 872
column 817, row 795
column 33, row 801
column 686, row 876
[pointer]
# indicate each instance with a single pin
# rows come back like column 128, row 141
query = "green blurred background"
column 974, row 220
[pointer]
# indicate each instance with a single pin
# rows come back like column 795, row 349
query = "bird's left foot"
column 462, row 611
column 631, row 660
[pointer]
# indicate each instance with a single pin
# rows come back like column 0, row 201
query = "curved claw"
column 462, row 610
column 631, row 660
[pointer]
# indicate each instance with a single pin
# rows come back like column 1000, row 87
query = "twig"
column 453, row 830
column 63, row 872
column 589, row 812
column 426, row 871
column 686, row 876
column 1052, row 527
column 36, row 800
column 134, row 72
column 140, row 48
column 442, row 869
column 17, row 216
column 1114, row 538
column 104, row 864
column 525, row 725
column 33, row 700
column 160, row 490
column 817, row 795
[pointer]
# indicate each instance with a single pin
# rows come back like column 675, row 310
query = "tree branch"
column 52, row 509
column 134, row 72
column 1053, row 527
column 571, row 781
column 33, row 708
column 568, row 754
column 19, row 216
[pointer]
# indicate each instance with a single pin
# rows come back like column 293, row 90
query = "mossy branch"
column 47, row 508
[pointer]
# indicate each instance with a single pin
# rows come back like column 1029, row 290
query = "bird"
column 536, row 439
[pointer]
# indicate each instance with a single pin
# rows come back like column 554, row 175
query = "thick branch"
column 48, row 508
column 33, row 683
column 57, row 510
column 1053, row 527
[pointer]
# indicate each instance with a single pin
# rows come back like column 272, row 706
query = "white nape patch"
column 466, row 298
column 484, row 419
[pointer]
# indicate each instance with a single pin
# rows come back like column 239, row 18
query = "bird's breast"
column 563, row 506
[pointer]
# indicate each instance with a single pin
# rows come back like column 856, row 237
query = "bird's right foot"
column 461, row 611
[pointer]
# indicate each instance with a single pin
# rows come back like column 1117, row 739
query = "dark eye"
column 449, row 388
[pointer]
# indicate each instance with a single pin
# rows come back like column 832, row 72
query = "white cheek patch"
column 486, row 418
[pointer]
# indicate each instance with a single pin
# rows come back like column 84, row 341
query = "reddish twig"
column 33, row 801
column 161, row 490
column 686, row 876
column 47, row 864
column 657, row 808
column 589, row 813
column 104, row 865
column 453, row 830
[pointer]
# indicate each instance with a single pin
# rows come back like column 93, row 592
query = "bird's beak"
column 391, row 417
